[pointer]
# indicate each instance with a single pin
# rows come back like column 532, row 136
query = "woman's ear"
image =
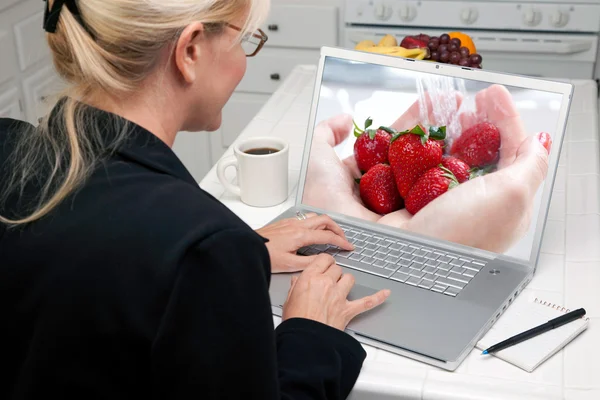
column 188, row 51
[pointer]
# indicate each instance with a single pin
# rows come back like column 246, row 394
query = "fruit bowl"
column 450, row 48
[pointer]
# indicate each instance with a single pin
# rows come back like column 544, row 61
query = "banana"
column 365, row 44
column 388, row 40
column 398, row 51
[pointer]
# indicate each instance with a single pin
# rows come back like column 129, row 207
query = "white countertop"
column 568, row 272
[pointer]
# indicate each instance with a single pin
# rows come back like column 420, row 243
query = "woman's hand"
column 287, row 236
column 320, row 293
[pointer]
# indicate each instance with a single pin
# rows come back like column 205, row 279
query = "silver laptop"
column 445, row 294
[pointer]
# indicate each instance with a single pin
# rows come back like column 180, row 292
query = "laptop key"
column 367, row 253
column 468, row 273
column 407, row 257
column 379, row 263
column 395, row 246
column 391, row 267
column 426, row 284
column 444, row 259
column 407, row 250
column 415, row 266
column 366, row 268
column 320, row 247
column 441, row 272
column 404, row 263
column 395, row 253
column 451, row 291
column 371, row 247
column 405, row 270
column 429, row 277
column 332, row 250
column 379, row 256
column 448, row 282
column 458, row 270
column 458, row 278
column 419, row 260
column 457, row 262
column 443, row 266
column 413, row 280
column 368, row 260
column 416, row 274
column 431, row 256
column 429, row 269
column 399, row 276
column 473, row 267
column 372, row 240
column 355, row 257
column 391, row 259
column 311, row 252
column 383, row 250
column 438, row 288
column 432, row 263
column 344, row 253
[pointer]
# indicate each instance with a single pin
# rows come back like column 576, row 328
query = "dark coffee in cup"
column 261, row 151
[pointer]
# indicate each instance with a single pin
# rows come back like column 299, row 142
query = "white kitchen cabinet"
column 10, row 105
column 40, row 89
column 293, row 40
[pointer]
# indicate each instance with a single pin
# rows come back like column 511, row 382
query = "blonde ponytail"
column 128, row 36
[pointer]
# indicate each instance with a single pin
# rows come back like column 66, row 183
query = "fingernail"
column 387, row 292
column 545, row 139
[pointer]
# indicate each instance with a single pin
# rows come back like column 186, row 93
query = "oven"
column 550, row 38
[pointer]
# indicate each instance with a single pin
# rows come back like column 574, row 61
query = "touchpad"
column 360, row 291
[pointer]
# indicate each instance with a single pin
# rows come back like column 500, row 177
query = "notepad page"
column 521, row 316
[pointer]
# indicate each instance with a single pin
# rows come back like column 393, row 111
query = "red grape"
column 463, row 62
column 443, row 47
column 452, row 47
column 434, row 44
column 475, row 59
column 444, row 38
column 475, row 66
column 435, row 55
column 454, row 57
column 444, row 56
column 424, row 37
column 456, row 41
column 464, row 52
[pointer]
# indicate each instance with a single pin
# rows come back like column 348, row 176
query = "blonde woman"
column 119, row 276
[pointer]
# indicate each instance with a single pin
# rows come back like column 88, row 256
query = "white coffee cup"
column 262, row 178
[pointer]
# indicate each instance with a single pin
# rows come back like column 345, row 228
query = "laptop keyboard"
column 423, row 267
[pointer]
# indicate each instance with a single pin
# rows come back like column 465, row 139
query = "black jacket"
column 142, row 285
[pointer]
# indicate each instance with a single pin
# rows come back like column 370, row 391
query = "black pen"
column 553, row 323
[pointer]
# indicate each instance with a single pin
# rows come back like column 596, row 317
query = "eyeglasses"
column 252, row 42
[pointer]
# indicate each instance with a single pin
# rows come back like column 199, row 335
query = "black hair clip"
column 51, row 16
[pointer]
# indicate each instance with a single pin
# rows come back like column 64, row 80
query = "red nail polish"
column 545, row 139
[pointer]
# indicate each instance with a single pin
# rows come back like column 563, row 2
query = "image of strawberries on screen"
column 449, row 158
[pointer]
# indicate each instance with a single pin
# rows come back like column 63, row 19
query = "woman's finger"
column 325, row 222
column 294, row 263
column 334, row 271
column 310, row 237
column 367, row 303
column 321, row 263
column 346, row 283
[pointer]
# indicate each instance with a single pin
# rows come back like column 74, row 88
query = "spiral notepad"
column 525, row 314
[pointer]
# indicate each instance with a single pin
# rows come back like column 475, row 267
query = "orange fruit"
column 465, row 40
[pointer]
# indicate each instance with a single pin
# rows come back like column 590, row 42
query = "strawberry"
column 478, row 146
column 413, row 152
column 458, row 167
column 378, row 190
column 545, row 140
column 371, row 147
column 432, row 184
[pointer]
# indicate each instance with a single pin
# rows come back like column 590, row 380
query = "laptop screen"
column 445, row 157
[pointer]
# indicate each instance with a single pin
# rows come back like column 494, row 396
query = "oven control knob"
column 407, row 12
column 383, row 11
column 469, row 15
column 532, row 17
column 559, row 18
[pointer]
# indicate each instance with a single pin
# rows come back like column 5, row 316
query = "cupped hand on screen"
column 320, row 293
column 490, row 212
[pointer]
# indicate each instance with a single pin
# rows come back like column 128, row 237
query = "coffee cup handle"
column 225, row 163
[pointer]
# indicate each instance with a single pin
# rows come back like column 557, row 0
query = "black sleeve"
column 217, row 339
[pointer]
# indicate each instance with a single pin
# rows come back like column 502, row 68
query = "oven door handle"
column 534, row 47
